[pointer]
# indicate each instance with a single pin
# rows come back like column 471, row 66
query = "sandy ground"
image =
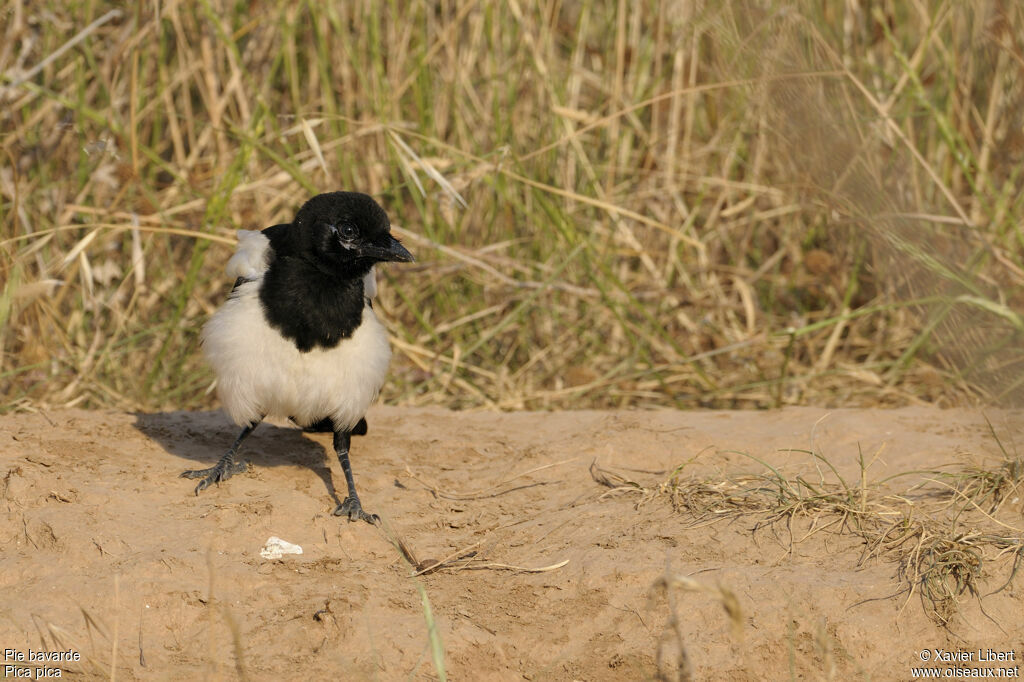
column 106, row 553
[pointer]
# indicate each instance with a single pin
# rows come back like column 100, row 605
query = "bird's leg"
column 225, row 468
column 351, row 507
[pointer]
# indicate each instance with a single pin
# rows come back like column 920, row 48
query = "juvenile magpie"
column 298, row 337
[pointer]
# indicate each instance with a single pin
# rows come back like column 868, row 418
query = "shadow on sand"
column 200, row 438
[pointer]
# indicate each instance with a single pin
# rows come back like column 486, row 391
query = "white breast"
column 370, row 284
column 262, row 374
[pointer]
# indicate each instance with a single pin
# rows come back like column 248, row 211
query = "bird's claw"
column 221, row 471
column 353, row 509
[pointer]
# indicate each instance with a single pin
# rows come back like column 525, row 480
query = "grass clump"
column 942, row 541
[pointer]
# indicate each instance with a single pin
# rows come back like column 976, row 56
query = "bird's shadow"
column 203, row 437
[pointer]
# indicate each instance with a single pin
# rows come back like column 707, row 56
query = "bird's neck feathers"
column 310, row 304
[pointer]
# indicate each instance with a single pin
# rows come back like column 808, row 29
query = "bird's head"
column 348, row 232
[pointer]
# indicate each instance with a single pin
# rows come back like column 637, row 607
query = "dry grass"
column 943, row 532
column 672, row 658
column 658, row 203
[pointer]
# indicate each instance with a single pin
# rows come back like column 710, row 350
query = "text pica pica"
column 298, row 337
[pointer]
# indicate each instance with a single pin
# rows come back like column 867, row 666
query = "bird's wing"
column 250, row 259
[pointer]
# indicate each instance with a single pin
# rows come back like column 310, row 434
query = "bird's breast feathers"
column 262, row 373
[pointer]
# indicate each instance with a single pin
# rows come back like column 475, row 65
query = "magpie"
column 298, row 337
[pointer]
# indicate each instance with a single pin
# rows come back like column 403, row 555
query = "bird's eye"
column 348, row 232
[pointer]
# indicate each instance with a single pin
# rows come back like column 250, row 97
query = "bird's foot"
column 221, row 471
column 353, row 509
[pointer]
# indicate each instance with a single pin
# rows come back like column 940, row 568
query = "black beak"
column 393, row 251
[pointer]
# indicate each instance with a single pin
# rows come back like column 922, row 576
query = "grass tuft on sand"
column 943, row 532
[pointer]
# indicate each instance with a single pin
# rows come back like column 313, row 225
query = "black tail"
column 325, row 425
